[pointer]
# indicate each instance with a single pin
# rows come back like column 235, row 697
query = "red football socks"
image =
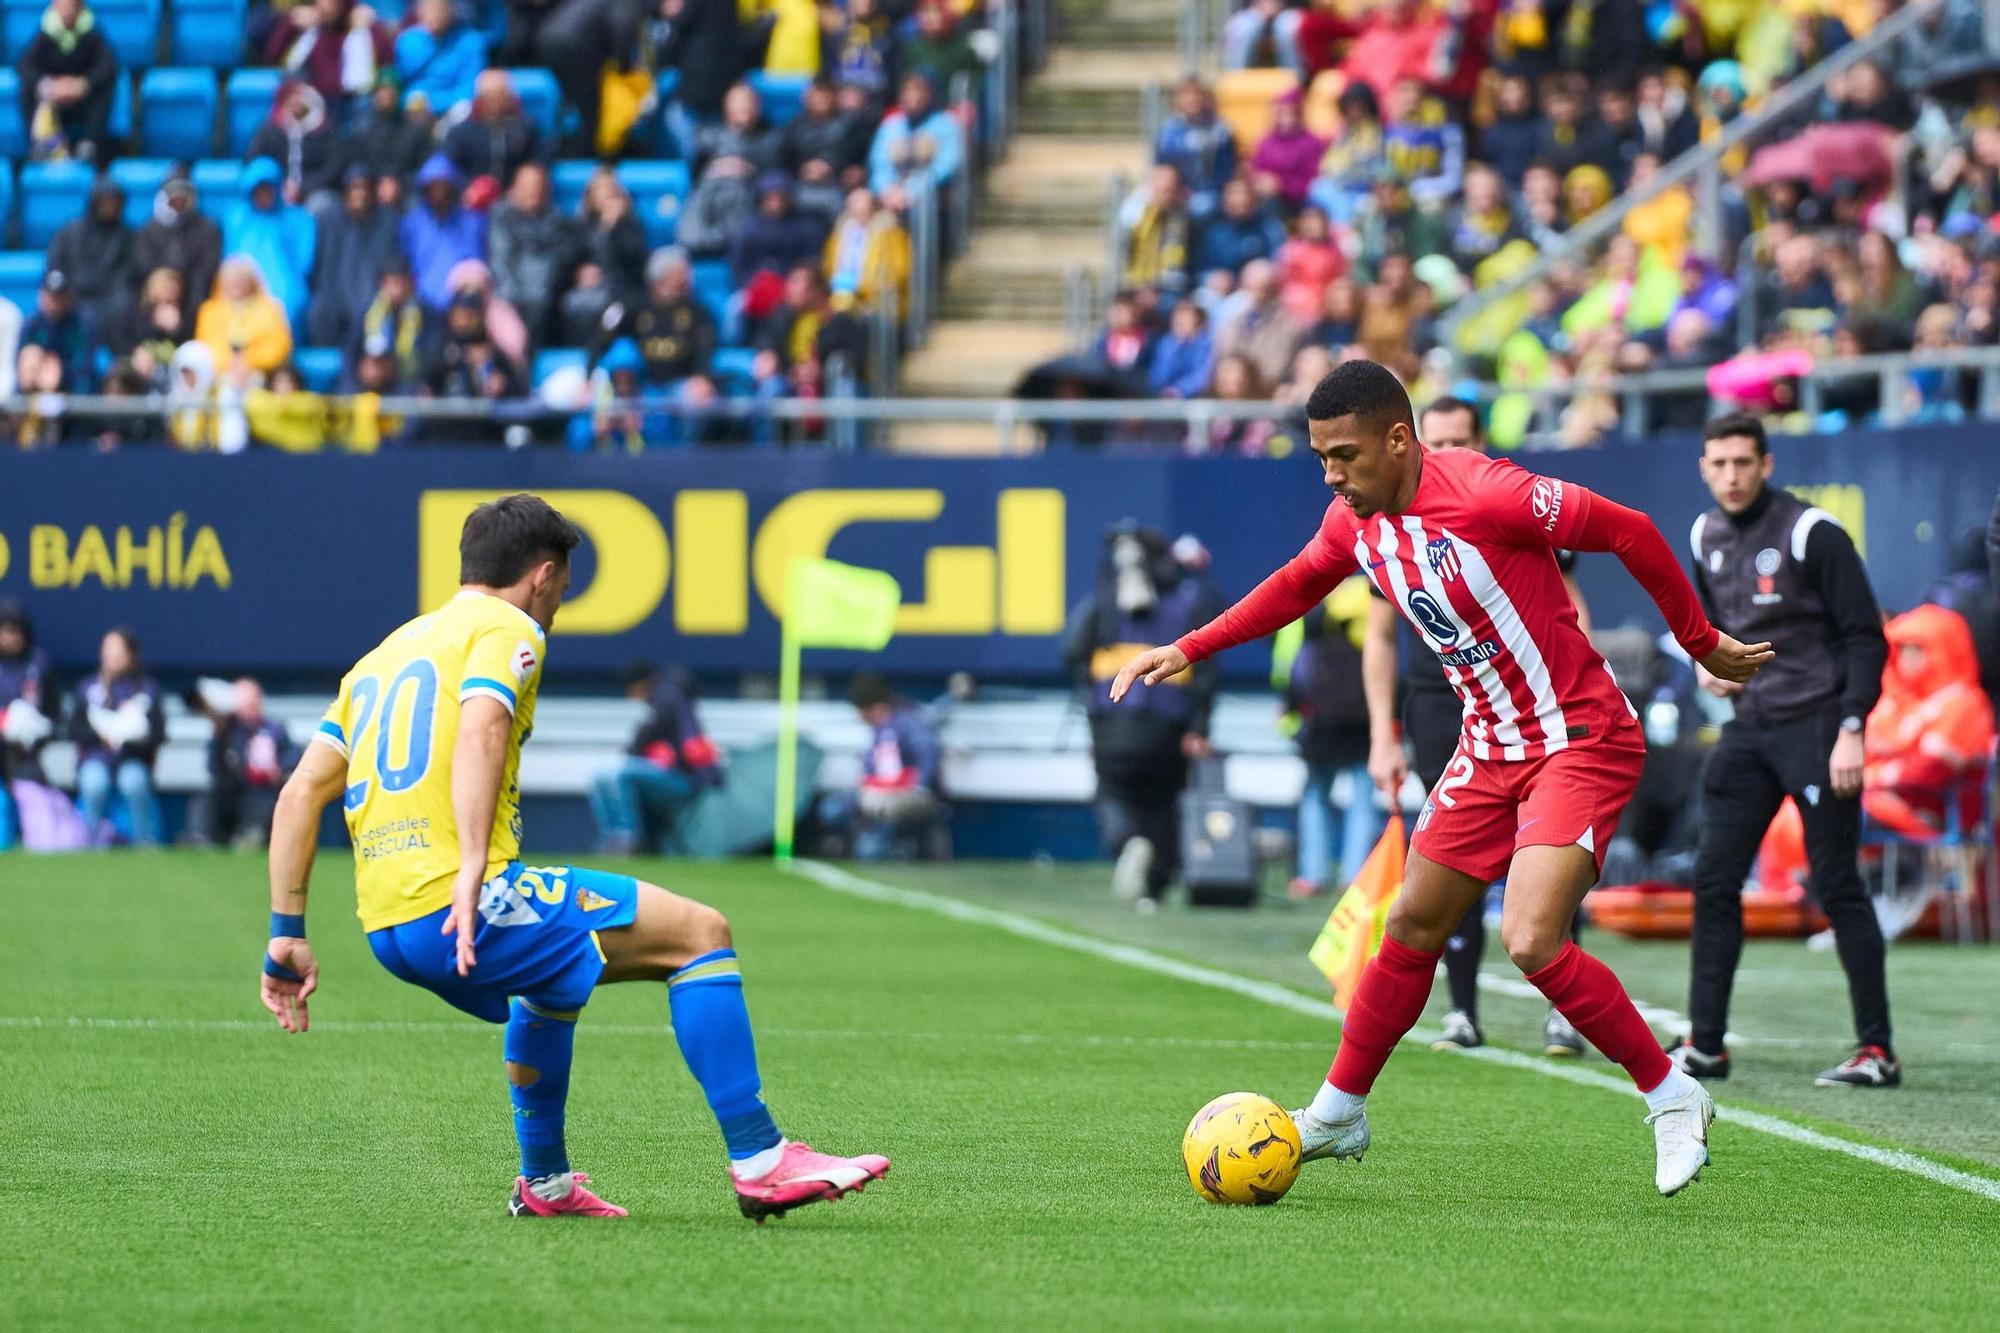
column 1386, row 1005
column 1589, row 995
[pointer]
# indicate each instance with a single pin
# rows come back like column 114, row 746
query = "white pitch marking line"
column 1283, row 997
column 1673, row 1020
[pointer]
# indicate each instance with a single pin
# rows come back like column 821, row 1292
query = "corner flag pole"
column 827, row 605
column 788, row 739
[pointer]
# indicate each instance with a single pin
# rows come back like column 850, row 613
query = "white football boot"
column 1134, row 864
column 1320, row 1138
column 1680, row 1137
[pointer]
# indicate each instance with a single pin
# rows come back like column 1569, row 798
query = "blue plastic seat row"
column 178, row 107
column 54, row 192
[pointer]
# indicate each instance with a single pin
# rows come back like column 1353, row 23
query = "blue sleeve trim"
column 329, row 731
column 473, row 683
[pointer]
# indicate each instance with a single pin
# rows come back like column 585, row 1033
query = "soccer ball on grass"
column 1241, row 1148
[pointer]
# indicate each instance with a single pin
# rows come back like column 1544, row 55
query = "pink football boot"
column 579, row 1202
column 803, row 1176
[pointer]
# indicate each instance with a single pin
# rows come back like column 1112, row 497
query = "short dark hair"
column 1733, row 424
column 1450, row 403
column 1360, row 389
column 634, row 674
column 503, row 539
column 868, row 689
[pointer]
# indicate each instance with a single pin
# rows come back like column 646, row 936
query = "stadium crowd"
column 705, row 199
column 1358, row 171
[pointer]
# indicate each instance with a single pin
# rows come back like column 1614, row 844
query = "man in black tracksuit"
column 1770, row 567
column 1141, row 746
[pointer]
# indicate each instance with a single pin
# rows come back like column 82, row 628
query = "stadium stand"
column 212, row 75
column 1402, row 182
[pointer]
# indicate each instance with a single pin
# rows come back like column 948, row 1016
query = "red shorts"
column 1484, row 810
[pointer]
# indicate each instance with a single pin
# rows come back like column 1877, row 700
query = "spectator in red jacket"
column 335, row 46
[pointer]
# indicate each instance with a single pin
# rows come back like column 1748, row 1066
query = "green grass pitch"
column 174, row 1161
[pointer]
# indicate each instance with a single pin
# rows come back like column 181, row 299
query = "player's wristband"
column 274, row 968
column 288, row 925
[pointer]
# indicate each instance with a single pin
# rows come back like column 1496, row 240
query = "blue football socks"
column 538, row 1048
column 712, row 1025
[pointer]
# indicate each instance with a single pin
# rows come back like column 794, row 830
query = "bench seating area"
column 1033, row 750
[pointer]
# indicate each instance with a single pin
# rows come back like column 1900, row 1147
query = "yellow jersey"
column 396, row 722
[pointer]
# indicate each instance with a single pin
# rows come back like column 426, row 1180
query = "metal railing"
column 1081, row 306
column 1639, row 395
column 1117, row 189
column 1201, row 34
column 1700, row 167
column 940, row 225
column 857, row 421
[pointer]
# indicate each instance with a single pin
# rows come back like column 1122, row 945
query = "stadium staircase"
column 1005, row 300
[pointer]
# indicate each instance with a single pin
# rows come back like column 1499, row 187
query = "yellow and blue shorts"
column 537, row 938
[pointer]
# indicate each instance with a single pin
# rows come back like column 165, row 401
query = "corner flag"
column 1353, row 933
column 827, row 605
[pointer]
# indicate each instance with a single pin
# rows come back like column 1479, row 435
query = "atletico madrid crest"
column 1443, row 557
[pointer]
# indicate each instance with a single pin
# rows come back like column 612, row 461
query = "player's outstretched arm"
column 478, row 767
column 1593, row 523
column 291, row 974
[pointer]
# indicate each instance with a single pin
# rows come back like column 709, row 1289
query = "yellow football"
column 1241, row 1148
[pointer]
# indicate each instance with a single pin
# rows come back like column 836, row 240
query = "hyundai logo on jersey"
column 1432, row 619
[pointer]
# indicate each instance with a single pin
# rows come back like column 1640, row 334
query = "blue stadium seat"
column 177, row 113
column 248, row 105
column 733, row 363
column 782, row 94
column 21, row 276
column 566, row 182
column 714, row 287
column 141, row 177
column 319, row 367
column 548, row 361
column 391, row 12
column 13, row 133
column 120, row 122
column 19, row 22
column 51, row 194
column 132, row 27
column 6, row 194
column 657, row 189
column 207, row 32
column 541, row 99
column 217, row 188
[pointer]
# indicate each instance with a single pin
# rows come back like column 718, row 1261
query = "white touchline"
column 1673, row 1020
column 843, row 881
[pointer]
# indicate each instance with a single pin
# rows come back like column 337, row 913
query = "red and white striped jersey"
column 1471, row 564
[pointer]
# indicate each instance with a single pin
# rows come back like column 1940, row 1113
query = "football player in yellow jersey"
column 423, row 748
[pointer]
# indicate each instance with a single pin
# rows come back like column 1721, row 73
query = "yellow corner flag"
column 831, row 605
column 1354, row 932
column 827, row 605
